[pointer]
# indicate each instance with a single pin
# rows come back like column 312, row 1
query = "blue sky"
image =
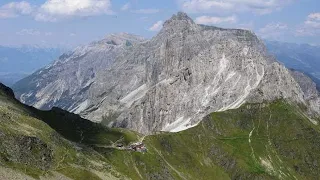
column 75, row 22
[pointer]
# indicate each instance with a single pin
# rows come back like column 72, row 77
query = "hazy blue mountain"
column 10, row 78
column 18, row 62
column 302, row 57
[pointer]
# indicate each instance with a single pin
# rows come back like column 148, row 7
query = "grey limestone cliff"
column 310, row 91
column 65, row 82
column 169, row 83
column 185, row 72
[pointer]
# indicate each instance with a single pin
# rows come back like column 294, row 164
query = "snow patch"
column 180, row 124
column 134, row 95
column 80, row 107
column 214, row 88
column 241, row 100
column 42, row 102
column 223, row 65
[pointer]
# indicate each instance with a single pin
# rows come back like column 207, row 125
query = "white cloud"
column 313, row 21
column 45, row 17
column 76, row 7
column 273, row 27
column 52, row 10
column 205, row 5
column 144, row 18
column 273, row 30
column 311, row 26
column 14, row 9
column 304, row 32
column 247, row 26
column 157, row 26
column 31, row 32
column 48, row 33
column 72, row 34
column 215, row 20
column 125, row 7
column 314, row 16
column 146, row 11
column 231, row 6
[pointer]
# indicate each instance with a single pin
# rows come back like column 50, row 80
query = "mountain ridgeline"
column 19, row 62
column 269, row 140
column 65, row 82
column 168, row 83
column 301, row 57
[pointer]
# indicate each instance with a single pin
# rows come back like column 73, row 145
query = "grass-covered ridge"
column 257, row 141
column 60, row 148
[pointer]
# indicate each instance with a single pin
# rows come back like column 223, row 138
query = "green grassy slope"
column 257, row 141
column 32, row 147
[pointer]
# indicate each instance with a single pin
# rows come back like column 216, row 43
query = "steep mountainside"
column 257, row 141
column 172, row 81
column 30, row 148
column 302, row 57
column 187, row 71
column 66, row 81
column 310, row 90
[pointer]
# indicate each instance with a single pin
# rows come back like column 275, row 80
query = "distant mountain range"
column 18, row 62
column 302, row 57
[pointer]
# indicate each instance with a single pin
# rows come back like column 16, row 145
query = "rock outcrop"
column 310, row 91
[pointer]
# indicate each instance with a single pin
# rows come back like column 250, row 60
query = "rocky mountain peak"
column 178, row 21
column 181, row 16
column 166, row 84
column 118, row 39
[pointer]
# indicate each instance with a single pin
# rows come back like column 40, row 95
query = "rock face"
column 309, row 88
column 65, row 82
column 170, row 82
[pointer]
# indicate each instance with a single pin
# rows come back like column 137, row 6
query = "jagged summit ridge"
column 177, row 24
column 65, row 82
column 184, row 73
column 179, row 17
column 171, row 81
column 121, row 39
